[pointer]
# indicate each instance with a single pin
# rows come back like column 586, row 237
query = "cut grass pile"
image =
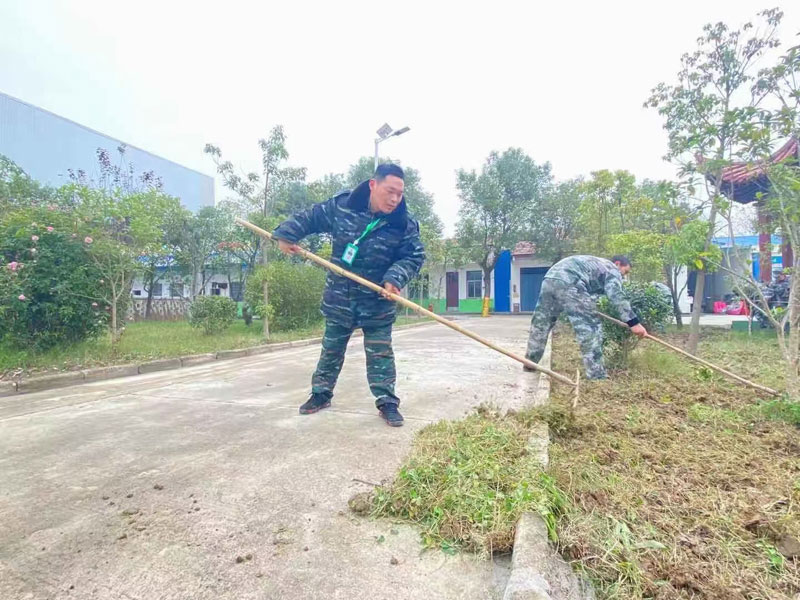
column 681, row 484
column 466, row 483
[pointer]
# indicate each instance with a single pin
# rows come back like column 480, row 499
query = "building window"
column 217, row 287
column 176, row 289
column 474, row 284
column 236, row 291
column 157, row 289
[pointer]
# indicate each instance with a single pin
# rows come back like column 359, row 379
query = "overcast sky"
column 565, row 81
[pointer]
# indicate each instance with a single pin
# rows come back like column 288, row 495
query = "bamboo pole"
column 697, row 359
column 413, row 306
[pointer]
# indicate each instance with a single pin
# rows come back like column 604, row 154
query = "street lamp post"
column 384, row 133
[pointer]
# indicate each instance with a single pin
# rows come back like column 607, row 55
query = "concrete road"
column 206, row 483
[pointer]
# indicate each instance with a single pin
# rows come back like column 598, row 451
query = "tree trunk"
column 114, row 331
column 265, row 318
column 671, row 273
column 195, row 277
column 487, row 291
column 149, row 304
column 697, row 309
column 700, row 285
column 793, row 362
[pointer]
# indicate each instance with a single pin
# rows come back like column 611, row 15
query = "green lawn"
column 147, row 340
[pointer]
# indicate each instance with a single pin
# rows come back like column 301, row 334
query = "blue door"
column 502, row 282
column 530, row 283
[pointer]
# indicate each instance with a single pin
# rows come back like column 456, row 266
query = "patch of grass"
column 146, row 340
column 466, row 483
column 782, row 409
column 679, row 484
column 149, row 340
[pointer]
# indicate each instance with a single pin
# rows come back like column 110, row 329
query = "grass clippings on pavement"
column 466, row 483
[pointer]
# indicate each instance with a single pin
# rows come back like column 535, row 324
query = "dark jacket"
column 392, row 252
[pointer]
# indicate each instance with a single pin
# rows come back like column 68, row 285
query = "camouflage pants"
column 557, row 297
column 381, row 373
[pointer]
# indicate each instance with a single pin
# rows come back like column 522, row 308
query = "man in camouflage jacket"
column 568, row 287
column 374, row 219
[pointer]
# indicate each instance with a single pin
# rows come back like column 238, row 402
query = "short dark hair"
column 386, row 169
column 622, row 260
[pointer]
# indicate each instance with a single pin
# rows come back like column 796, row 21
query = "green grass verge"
column 148, row 340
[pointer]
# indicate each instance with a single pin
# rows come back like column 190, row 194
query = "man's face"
column 624, row 269
column 385, row 195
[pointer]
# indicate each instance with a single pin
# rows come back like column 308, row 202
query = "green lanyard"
column 369, row 228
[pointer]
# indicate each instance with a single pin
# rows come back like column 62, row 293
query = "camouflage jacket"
column 392, row 252
column 594, row 276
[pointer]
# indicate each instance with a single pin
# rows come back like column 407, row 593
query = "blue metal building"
column 46, row 145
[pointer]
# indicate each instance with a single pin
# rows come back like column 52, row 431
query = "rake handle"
column 411, row 305
column 697, row 359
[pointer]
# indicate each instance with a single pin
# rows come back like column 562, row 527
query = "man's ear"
column 372, row 184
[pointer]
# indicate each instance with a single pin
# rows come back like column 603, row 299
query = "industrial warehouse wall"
column 45, row 145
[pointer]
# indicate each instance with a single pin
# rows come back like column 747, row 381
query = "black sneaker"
column 315, row 403
column 391, row 415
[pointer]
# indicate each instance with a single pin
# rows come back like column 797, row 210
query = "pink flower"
column 74, row 235
column 88, row 240
column 33, row 250
column 35, row 238
column 22, row 296
column 49, row 230
column 94, row 304
column 102, row 281
column 13, row 265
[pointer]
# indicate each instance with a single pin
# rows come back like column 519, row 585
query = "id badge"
column 349, row 254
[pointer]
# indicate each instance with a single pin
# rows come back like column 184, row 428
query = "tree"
column 253, row 200
column 496, row 205
column 705, row 117
column 161, row 260
column 120, row 228
column 780, row 84
column 198, row 243
column 554, row 226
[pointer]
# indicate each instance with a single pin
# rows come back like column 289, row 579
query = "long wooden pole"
column 697, row 359
column 415, row 307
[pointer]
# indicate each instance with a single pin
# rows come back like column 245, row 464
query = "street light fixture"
column 384, row 133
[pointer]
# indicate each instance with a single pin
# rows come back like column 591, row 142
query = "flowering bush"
column 47, row 283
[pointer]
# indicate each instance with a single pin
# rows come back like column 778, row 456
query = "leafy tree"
column 197, row 244
column 256, row 194
column 554, row 225
column 706, row 116
column 496, row 205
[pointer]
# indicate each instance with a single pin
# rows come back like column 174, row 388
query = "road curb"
column 537, row 571
column 69, row 378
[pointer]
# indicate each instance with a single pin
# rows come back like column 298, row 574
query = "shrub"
column 212, row 313
column 653, row 310
column 295, row 290
column 48, row 282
